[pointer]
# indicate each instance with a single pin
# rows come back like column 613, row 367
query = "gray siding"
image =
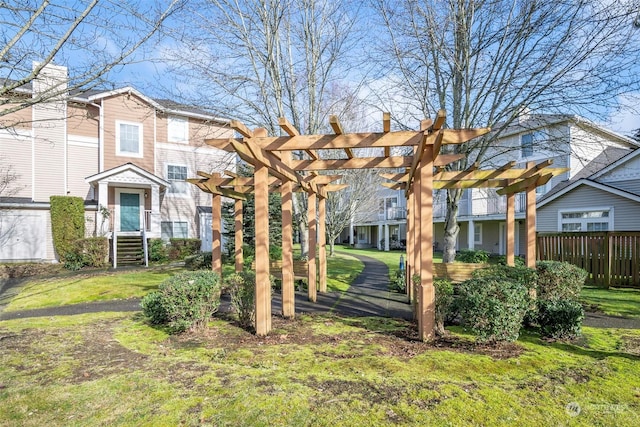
column 625, row 214
column 630, row 186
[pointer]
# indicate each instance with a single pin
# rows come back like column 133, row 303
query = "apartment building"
column 126, row 154
column 569, row 141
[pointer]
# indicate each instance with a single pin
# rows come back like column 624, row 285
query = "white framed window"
column 177, row 175
column 477, row 234
column 129, row 139
column 598, row 219
column 528, row 142
column 543, row 189
column 174, row 229
column 178, row 129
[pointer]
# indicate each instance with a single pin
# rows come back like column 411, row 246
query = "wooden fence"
column 611, row 258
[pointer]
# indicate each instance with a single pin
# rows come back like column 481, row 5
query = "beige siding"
column 82, row 162
column 585, row 197
column 83, row 120
column 15, row 152
column 49, row 150
column 132, row 109
column 20, row 119
column 199, row 130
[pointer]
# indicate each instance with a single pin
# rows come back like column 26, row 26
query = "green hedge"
column 473, row 256
column 67, row 224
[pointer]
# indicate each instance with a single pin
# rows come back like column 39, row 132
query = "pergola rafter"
column 275, row 170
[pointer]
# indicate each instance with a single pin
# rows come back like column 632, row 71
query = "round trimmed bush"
column 493, row 307
column 186, row 300
column 560, row 319
column 559, row 280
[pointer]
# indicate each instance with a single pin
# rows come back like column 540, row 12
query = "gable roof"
column 589, row 183
column 613, row 165
column 124, row 168
column 536, row 121
column 609, row 156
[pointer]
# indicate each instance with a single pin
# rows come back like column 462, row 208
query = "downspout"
column 100, row 135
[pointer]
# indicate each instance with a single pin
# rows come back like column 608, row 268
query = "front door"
column 129, row 212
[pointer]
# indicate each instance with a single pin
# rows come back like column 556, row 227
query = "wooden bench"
column 300, row 269
column 456, row 272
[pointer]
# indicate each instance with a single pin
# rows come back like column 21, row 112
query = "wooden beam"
column 510, row 229
column 291, row 130
column 530, row 256
column 339, row 142
column 239, row 127
column 397, row 177
column 522, row 185
column 386, row 128
column 337, row 129
column 427, row 139
column 441, row 117
column 426, row 293
column 356, row 163
column 288, row 290
column 253, row 154
column 445, row 159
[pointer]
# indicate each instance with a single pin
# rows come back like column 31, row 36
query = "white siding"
column 15, row 152
column 82, row 156
column 23, row 235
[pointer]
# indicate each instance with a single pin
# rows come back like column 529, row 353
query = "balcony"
column 392, row 214
column 491, row 205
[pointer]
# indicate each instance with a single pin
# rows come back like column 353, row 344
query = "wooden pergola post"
column 239, row 253
column 510, row 229
column 263, row 282
column 322, row 244
column 426, row 294
column 216, row 221
column 288, row 291
column 409, row 264
column 531, row 226
column 313, row 230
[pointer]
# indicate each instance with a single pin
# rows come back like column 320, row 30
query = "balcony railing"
column 391, row 214
column 493, row 205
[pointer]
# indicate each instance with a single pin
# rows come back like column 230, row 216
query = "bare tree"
column 487, row 61
column 91, row 38
column 261, row 60
column 348, row 205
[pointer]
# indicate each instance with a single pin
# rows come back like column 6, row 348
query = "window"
column 595, row 220
column 178, row 129
column 542, row 189
column 177, row 175
column 174, row 229
column 477, row 234
column 128, row 139
column 528, row 141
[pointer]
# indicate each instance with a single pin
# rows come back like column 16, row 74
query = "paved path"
column 368, row 295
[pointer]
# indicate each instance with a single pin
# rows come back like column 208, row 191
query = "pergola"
column 421, row 171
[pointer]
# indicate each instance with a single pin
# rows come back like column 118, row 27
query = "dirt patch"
column 630, row 345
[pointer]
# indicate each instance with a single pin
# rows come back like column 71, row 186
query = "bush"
column 398, row 282
column 275, row 253
column 444, row 302
column 201, row 261
column 493, row 308
column 559, row 280
column 560, row 319
column 502, row 260
column 67, row 225
column 186, row 300
column 242, row 288
column 181, row 248
column 473, row 256
column 524, row 275
column 94, row 251
column 73, row 261
column 157, row 251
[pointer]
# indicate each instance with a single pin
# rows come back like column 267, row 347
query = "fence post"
column 607, row 257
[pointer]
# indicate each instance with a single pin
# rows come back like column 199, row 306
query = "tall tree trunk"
column 451, row 226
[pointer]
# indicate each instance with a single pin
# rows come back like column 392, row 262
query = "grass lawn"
column 114, row 369
column 613, row 301
column 87, row 287
column 342, row 270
